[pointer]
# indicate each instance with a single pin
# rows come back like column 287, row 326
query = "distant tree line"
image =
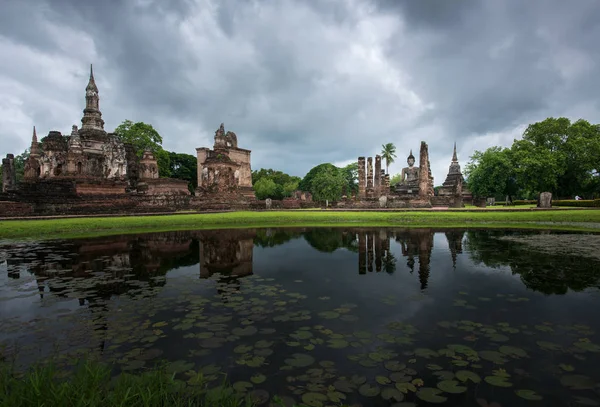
column 554, row 155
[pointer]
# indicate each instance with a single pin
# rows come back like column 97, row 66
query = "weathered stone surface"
column 268, row 203
column 226, row 168
column 377, row 176
column 383, row 201
column 9, row 179
column 545, row 200
column 370, row 172
column 362, row 180
column 148, row 166
column 425, row 178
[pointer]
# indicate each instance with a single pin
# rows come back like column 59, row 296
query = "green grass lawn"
column 582, row 220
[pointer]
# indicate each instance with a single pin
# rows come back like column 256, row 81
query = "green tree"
column 307, row 182
column 492, row 173
column 350, row 173
column 537, row 168
column 265, row 188
column 144, row 137
column 184, row 166
column 395, row 179
column 328, row 185
column 388, row 153
column 285, row 184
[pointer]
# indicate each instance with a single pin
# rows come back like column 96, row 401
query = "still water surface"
column 373, row 317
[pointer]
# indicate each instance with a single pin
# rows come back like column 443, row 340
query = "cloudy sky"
column 302, row 82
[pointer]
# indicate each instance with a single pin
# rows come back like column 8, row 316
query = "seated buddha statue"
column 409, row 178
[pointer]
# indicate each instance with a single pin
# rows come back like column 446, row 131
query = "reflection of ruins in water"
column 374, row 249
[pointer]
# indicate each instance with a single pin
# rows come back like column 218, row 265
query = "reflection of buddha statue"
column 410, row 174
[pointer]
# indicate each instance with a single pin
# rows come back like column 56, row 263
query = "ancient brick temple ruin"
column 225, row 171
column 453, row 191
column 87, row 171
column 414, row 190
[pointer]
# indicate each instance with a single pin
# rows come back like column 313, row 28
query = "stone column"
column 361, row 178
column 362, row 253
column 377, row 180
column 9, row 177
column 370, row 172
column 424, row 171
column 386, row 183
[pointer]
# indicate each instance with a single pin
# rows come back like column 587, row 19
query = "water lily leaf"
column 451, row 386
column 464, row 375
column 577, row 382
column 247, row 331
column 367, row 363
column 336, row 396
column 566, row 368
column 242, row 386
column 431, row 395
column 179, row 366
column 337, row 343
column 426, row 353
column 369, row 390
column 434, row 367
column 588, row 346
column 314, row 399
column 492, row 356
column 362, row 334
column 258, row 378
column 394, row 365
column 301, row 335
column 329, row 314
column 255, row 361
column 382, row 380
column 134, row 364
column 300, row 360
column 460, row 363
column 344, row 385
column 463, row 349
column 259, row 396
column 205, row 335
column 390, row 393
column 548, row 345
column 512, row 351
column 444, row 374
column 358, row 380
column 263, row 344
column 406, row 387
column 528, row 395
column 584, row 401
column 498, row 381
column 214, row 342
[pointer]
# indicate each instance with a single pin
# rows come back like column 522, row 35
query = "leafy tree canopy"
column 184, row 166
column 144, row 137
column 281, row 186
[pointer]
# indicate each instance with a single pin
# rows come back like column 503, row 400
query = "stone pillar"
column 424, row 171
column 362, row 253
column 370, row 172
column 370, row 251
column 377, row 180
column 361, row 178
column 9, row 177
column 545, row 200
column 386, row 183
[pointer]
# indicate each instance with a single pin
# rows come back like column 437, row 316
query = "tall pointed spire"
column 92, row 117
column 34, row 150
column 454, row 157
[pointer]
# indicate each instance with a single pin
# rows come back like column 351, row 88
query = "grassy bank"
column 581, row 220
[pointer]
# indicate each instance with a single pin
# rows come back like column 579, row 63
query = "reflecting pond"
column 321, row 316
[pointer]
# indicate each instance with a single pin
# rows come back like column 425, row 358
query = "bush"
column 581, row 203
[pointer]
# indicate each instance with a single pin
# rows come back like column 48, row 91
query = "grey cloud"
column 306, row 82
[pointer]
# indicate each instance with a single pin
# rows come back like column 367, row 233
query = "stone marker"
column 268, row 203
column 382, row 201
column 545, row 200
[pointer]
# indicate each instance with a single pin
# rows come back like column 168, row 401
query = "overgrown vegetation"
column 273, row 184
column 584, row 219
column 554, row 155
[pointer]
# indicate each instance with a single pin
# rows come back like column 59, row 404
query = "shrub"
column 581, row 203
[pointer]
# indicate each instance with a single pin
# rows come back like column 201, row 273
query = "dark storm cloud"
column 302, row 82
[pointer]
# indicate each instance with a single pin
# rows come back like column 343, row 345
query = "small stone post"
column 9, row 177
column 268, row 203
column 545, row 200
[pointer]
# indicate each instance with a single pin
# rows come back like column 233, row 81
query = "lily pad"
column 314, row 399
column 259, row 396
column 498, row 381
column 394, row 366
column 258, row 378
column 179, row 366
column 584, row 401
column 577, row 382
column 383, row 380
column 344, row 385
column 548, row 345
column 369, row 390
column 247, row 331
column 426, row 353
column 451, row 386
column 464, row 375
column 512, row 351
column 528, row 395
column 405, row 387
column 587, row 346
column 431, row 395
column 492, row 356
column 242, row 386
column 300, row 360
column 337, row 343
column 390, row 393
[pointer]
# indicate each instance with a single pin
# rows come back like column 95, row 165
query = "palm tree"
column 388, row 153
